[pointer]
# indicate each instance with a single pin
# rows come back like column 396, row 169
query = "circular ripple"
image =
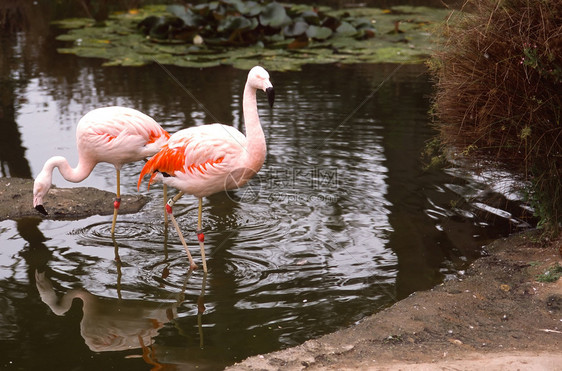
column 247, row 273
column 124, row 230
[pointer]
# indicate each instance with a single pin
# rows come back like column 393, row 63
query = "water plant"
column 243, row 33
column 243, row 23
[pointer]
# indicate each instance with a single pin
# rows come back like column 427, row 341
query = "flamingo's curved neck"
column 254, row 132
column 75, row 175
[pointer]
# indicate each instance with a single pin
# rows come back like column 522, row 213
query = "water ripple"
column 124, row 230
column 345, row 221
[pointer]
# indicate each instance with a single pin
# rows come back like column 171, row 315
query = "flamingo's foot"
column 117, row 202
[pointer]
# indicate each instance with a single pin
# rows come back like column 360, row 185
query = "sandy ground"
column 497, row 316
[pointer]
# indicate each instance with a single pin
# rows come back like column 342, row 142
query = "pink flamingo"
column 207, row 159
column 116, row 135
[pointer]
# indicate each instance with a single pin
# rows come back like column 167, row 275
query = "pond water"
column 341, row 222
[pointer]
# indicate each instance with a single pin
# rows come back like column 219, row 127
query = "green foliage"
column 545, row 195
column 553, row 274
column 243, row 33
column 274, row 15
column 433, row 155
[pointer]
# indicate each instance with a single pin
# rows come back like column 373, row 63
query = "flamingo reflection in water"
column 119, row 324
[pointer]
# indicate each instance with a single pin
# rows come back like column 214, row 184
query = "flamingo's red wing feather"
column 173, row 157
column 168, row 160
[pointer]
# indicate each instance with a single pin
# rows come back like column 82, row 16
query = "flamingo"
column 117, row 135
column 207, row 159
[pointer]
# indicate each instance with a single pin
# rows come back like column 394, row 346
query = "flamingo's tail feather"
column 167, row 161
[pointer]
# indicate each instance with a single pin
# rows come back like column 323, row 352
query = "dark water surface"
column 341, row 222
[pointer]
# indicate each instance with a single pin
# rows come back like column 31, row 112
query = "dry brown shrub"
column 498, row 90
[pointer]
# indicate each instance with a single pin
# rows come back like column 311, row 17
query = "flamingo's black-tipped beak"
column 270, row 96
column 41, row 209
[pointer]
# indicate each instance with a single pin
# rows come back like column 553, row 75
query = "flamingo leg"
column 165, row 191
column 200, row 235
column 116, row 203
column 169, row 205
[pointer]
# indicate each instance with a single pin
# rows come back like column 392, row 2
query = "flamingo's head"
column 40, row 188
column 258, row 78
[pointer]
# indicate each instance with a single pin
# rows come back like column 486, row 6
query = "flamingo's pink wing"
column 193, row 151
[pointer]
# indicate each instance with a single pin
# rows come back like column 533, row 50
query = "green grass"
column 553, row 274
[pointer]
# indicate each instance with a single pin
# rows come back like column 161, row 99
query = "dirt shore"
column 499, row 315
column 496, row 316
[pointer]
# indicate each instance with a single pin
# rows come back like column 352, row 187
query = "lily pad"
column 361, row 23
column 318, row 33
column 295, row 29
column 346, row 29
column 72, row 23
column 248, row 8
column 311, row 17
column 274, row 15
column 236, row 23
column 186, row 15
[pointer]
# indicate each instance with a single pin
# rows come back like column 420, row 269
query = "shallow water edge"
column 480, row 319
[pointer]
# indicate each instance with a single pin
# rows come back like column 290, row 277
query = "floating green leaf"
column 295, row 29
column 72, row 23
column 274, row 15
column 318, row 33
column 311, row 17
column 186, row 15
column 249, row 8
column 236, row 23
column 346, row 29
column 361, row 23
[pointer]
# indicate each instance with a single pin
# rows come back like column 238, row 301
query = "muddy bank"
column 497, row 316
column 16, row 201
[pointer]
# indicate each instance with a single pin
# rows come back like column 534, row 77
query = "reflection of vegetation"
column 240, row 33
column 498, row 92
